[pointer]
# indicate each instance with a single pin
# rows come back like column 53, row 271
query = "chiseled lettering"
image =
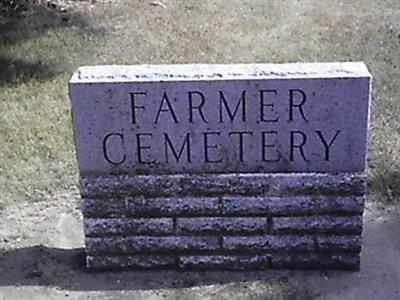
column 326, row 144
column 299, row 145
column 134, row 106
column 296, row 94
column 169, row 108
column 199, row 106
column 265, row 145
column 264, row 105
column 177, row 154
column 208, row 146
column 240, row 104
column 241, row 141
column 106, row 142
column 141, row 147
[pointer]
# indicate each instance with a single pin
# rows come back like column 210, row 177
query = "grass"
column 39, row 52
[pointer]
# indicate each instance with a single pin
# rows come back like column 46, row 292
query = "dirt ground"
column 42, row 258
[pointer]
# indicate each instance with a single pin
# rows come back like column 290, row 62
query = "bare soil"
column 42, row 257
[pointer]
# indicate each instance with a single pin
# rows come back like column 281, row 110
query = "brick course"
column 209, row 222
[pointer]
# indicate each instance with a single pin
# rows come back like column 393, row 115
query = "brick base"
column 227, row 221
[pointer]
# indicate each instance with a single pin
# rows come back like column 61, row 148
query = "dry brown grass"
column 37, row 56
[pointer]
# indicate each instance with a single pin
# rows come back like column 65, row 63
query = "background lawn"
column 40, row 48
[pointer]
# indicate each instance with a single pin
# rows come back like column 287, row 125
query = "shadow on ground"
column 386, row 184
column 28, row 25
column 45, row 267
column 41, row 265
column 17, row 70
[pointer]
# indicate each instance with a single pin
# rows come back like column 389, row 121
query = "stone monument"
column 245, row 166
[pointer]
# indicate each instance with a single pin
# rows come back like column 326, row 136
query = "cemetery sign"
column 222, row 166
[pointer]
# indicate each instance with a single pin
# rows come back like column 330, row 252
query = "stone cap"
column 184, row 72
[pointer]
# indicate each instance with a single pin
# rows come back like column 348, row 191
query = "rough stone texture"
column 292, row 206
column 184, row 72
column 129, row 262
column 126, row 121
column 225, row 262
column 229, row 206
column 316, row 261
column 148, row 244
column 224, row 221
column 188, row 206
column 270, row 243
column 103, row 207
column 293, row 243
column 332, row 243
column 352, row 184
column 151, row 207
column 126, row 226
column 221, row 226
column 317, row 224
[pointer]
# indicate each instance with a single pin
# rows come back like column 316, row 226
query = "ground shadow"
column 386, row 185
column 29, row 24
column 64, row 268
column 17, row 70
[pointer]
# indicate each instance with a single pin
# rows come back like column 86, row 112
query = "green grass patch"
column 39, row 51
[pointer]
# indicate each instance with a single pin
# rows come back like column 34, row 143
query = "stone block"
column 211, row 185
column 342, row 261
column 128, row 226
column 254, row 118
column 140, row 262
column 221, row 226
column 317, row 224
column 150, row 207
column 292, row 205
column 169, row 206
column 339, row 243
column 104, row 207
column 224, row 262
column 269, row 243
column 317, row 205
column 148, row 244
